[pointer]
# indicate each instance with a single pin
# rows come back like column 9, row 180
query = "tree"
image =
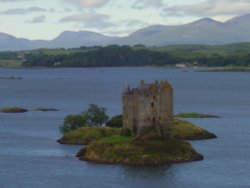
column 72, row 122
column 95, row 116
column 115, row 122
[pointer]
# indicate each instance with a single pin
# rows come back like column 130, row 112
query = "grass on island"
column 85, row 135
column 188, row 131
column 194, row 115
column 124, row 150
column 109, row 145
column 13, row 110
column 181, row 130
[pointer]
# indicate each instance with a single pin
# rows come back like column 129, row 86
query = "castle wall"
column 148, row 108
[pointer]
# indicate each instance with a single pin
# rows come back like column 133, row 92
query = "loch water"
column 30, row 157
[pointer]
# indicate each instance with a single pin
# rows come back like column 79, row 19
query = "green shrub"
column 115, row 121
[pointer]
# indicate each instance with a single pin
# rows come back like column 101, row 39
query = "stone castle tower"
column 148, row 108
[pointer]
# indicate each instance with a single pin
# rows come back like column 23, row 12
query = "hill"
column 205, row 31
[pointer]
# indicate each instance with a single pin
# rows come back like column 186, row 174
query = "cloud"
column 11, row 1
column 211, row 8
column 91, row 20
column 38, row 19
column 134, row 23
column 87, row 3
column 22, row 11
column 140, row 4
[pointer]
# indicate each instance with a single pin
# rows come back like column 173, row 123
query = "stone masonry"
column 148, row 108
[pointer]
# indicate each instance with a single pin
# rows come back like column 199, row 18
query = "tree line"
column 118, row 56
column 110, row 56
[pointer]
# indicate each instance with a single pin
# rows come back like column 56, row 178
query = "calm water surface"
column 31, row 157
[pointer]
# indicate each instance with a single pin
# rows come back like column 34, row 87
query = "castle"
column 148, row 108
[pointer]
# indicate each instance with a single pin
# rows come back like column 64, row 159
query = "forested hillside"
column 138, row 55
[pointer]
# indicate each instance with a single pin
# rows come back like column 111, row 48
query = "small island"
column 46, row 110
column 142, row 151
column 10, row 78
column 181, row 129
column 13, row 110
column 194, row 115
column 149, row 133
column 23, row 110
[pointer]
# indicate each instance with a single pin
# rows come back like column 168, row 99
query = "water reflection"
column 159, row 176
column 147, row 171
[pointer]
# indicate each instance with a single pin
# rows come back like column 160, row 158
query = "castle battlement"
column 144, row 88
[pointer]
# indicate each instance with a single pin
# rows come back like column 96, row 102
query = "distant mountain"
column 67, row 39
column 8, row 42
column 204, row 31
column 70, row 39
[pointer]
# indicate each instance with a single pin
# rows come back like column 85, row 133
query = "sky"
column 46, row 19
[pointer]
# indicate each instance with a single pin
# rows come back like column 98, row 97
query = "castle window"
column 152, row 104
column 154, row 119
column 160, row 118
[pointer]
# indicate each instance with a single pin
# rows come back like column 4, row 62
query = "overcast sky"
column 45, row 19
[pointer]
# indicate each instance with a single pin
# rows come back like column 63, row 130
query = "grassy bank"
column 226, row 69
column 10, row 63
column 85, row 135
column 111, row 146
column 125, row 150
column 188, row 131
column 194, row 115
column 181, row 130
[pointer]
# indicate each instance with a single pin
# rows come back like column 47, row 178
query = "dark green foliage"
column 126, row 132
column 94, row 116
column 8, row 55
column 139, row 55
column 110, row 56
column 72, row 122
column 115, row 121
